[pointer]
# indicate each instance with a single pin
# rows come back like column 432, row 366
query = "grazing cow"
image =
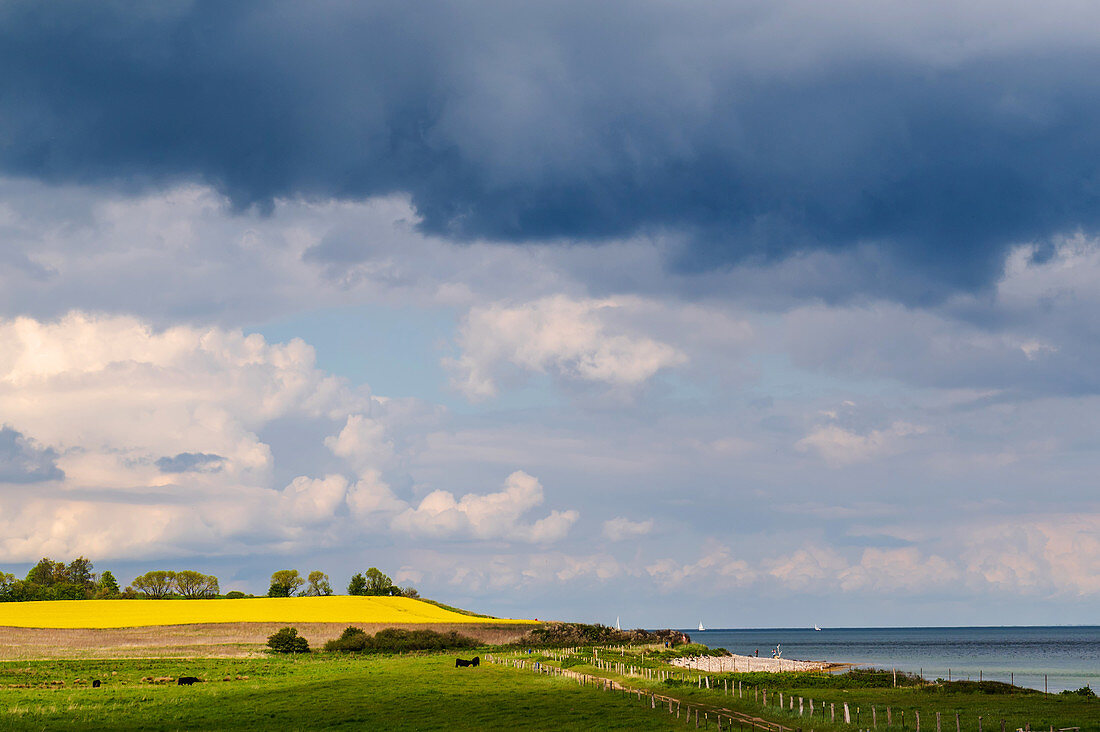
column 475, row 661
column 187, row 680
column 95, row 684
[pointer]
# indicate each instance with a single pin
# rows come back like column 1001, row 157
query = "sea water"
column 1061, row 657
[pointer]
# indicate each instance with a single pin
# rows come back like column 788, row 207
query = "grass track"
column 141, row 613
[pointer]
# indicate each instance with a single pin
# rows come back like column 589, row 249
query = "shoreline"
column 748, row 664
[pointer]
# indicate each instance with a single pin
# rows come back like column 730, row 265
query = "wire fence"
column 800, row 711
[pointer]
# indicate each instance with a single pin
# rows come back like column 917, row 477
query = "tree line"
column 288, row 583
column 77, row 580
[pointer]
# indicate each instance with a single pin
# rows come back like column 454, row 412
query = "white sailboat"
column 617, row 626
column 701, row 625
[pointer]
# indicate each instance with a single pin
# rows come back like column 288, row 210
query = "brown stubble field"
column 207, row 640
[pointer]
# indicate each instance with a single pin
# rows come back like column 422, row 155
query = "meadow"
column 311, row 692
column 426, row 691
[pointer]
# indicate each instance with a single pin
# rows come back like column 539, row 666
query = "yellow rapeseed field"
column 138, row 613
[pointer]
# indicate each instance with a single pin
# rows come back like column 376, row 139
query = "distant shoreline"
column 751, row 664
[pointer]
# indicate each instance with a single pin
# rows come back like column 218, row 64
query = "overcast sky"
column 755, row 313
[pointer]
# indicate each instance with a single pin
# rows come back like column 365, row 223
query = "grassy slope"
column 138, row 613
column 403, row 692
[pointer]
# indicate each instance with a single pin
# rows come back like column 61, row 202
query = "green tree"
column 319, row 584
column 47, row 572
column 378, row 583
column 192, row 584
column 68, row 591
column 284, row 583
column 157, row 584
column 358, row 584
column 79, row 572
column 107, row 587
column 410, row 592
column 24, row 590
column 7, row 584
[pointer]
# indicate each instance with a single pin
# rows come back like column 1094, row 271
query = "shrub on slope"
column 395, row 640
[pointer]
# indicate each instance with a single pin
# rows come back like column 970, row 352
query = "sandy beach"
column 721, row 664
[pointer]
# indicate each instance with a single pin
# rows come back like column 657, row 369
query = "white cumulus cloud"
column 839, row 446
column 487, row 516
column 586, row 340
column 620, row 528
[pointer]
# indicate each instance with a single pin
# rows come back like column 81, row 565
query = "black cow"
column 475, row 661
column 187, row 680
column 95, row 684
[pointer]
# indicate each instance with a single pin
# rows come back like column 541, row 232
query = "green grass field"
column 315, row 692
column 423, row 691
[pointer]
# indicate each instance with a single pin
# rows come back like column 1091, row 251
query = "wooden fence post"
column 917, row 712
column 847, row 716
column 937, row 722
column 889, row 717
column 958, row 724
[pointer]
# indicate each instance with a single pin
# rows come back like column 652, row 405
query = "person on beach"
column 758, row 653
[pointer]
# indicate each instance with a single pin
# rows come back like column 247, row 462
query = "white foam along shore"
column 724, row 664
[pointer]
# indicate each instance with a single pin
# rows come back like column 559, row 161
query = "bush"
column 1085, row 691
column 287, row 640
column 352, row 639
column 234, row 595
column 685, row 650
column 969, row 687
column 394, row 640
column 581, row 634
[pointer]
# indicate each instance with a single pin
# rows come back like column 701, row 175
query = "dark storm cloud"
column 188, row 462
column 22, row 461
column 751, row 130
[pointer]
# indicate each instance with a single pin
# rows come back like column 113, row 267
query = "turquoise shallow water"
column 1069, row 656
